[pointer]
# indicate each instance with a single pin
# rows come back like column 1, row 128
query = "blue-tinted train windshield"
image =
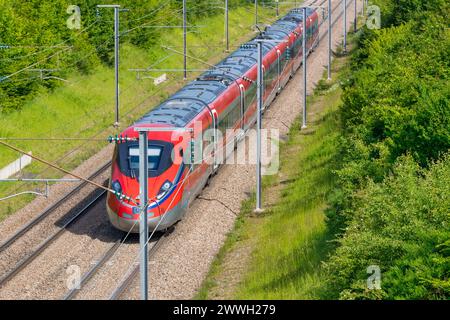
column 159, row 157
column 154, row 157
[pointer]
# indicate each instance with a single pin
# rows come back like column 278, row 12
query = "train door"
column 263, row 90
column 242, row 105
column 216, row 161
column 279, row 70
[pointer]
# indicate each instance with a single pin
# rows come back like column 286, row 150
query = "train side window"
column 250, row 96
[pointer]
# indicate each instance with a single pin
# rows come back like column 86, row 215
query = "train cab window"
column 154, row 157
column 159, row 158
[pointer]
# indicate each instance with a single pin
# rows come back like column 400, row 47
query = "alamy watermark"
column 374, row 280
column 373, row 17
column 74, row 21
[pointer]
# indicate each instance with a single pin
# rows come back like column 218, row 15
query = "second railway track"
column 29, row 258
column 17, row 235
column 126, row 281
column 88, row 202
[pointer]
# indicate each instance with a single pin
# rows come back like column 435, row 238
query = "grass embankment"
column 278, row 255
column 84, row 108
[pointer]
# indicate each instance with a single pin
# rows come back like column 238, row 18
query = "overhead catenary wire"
column 207, row 63
column 66, row 171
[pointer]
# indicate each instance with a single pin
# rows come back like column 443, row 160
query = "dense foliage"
column 392, row 208
column 35, row 33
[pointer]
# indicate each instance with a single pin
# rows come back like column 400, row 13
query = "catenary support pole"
column 117, row 10
column 355, row 21
column 278, row 9
column 329, row 39
column 143, row 223
column 116, row 61
column 304, row 43
column 345, row 25
column 256, row 12
column 260, row 106
column 226, row 26
column 258, row 127
column 185, row 39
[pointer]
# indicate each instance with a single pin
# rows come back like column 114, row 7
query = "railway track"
column 19, row 266
column 7, row 243
column 28, row 259
column 94, row 269
column 107, row 256
column 128, row 280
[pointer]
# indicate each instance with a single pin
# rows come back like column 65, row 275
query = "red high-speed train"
column 222, row 101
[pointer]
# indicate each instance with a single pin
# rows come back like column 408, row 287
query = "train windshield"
column 154, row 157
column 159, row 158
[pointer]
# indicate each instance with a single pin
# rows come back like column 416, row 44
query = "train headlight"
column 116, row 186
column 164, row 189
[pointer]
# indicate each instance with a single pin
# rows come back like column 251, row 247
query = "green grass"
column 85, row 107
column 290, row 240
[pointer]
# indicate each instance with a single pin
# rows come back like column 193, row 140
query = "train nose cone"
column 130, row 187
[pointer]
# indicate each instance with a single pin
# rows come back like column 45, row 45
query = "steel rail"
column 94, row 269
column 7, row 243
column 28, row 259
column 125, row 284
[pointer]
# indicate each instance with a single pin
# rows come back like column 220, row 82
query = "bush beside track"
column 391, row 206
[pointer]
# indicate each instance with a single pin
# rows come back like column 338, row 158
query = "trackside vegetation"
column 372, row 193
column 391, row 207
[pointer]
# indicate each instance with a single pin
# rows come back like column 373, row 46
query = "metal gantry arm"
column 46, row 193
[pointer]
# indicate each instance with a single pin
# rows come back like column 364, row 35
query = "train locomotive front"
column 166, row 172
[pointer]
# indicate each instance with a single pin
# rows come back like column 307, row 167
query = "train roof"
column 188, row 102
column 185, row 104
